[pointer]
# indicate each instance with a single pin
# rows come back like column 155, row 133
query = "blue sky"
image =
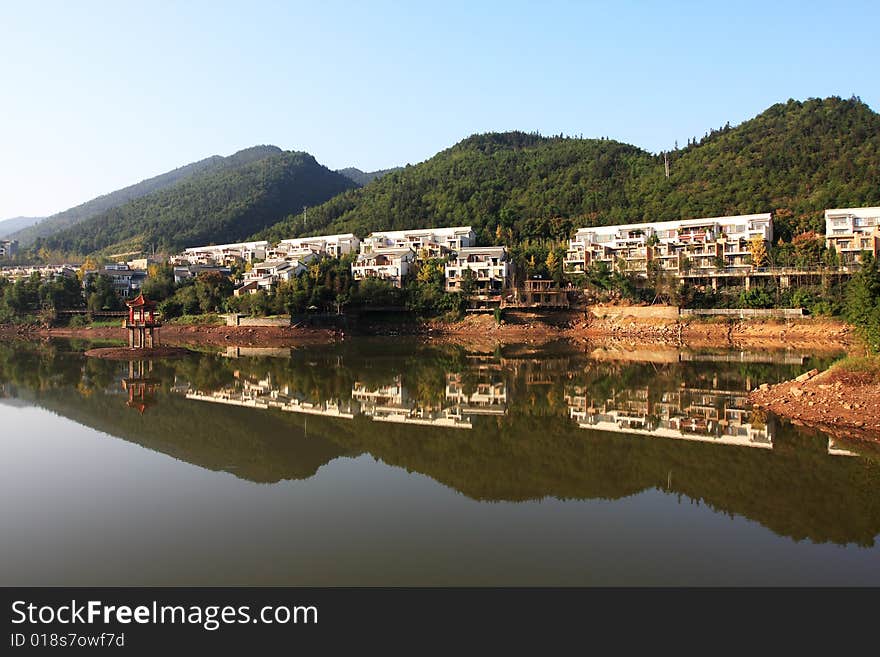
column 98, row 95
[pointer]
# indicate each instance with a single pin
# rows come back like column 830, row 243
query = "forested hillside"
column 225, row 204
column 796, row 159
column 96, row 206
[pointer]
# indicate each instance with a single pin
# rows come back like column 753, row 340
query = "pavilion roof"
column 140, row 301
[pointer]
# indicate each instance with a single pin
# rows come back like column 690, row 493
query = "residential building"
column 330, row 245
column 541, row 293
column 490, row 267
column 45, row 271
column 677, row 246
column 127, row 282
column 146, row 261
column 185, row 272
column 390, row 264
column 222, row 254
column 432, row 242
column 264, row 275
column 8, row 249
column 852, row 231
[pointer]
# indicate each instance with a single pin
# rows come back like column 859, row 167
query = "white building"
column 222, row 254
column 435, row 241
column 851, row 231
column 389, row 264
column 331, row 245
column 264, row 275
column 490, row 267
column 48, row 272
column 675, row 245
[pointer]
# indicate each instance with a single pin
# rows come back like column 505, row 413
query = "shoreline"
column 837, row 402
column 809, row 333
column 830, row 401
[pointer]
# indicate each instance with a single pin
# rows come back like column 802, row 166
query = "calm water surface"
column 378, row 462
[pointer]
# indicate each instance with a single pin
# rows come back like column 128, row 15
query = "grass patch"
column 209, row 319
column 856, row 370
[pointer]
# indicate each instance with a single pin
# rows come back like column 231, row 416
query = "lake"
column 389, row 462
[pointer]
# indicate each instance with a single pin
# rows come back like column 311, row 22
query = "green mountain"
column 364, row 177
column 10, row 226
column 796, row 158
column 243, row 194
column 96, row 206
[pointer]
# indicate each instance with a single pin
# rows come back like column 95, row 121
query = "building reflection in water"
column 265, row 393
column 140, row 385
column 718, row 416
column 708, row 408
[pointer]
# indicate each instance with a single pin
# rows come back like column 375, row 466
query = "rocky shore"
column 836, row 401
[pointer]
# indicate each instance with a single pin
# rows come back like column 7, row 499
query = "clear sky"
column 95, row 96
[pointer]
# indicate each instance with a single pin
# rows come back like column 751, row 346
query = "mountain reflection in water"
column 516, row 424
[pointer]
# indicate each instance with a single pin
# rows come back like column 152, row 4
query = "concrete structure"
column 676, row 246
column 330, row 245
column 222, row 254
column 389, row 264
column 142, row 323
column 852, row 231
column 490, row 267
column 431, row 242
column 8, row 249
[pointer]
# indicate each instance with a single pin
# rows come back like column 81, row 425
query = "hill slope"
column 96, row 206
column 9, row 226
column 796, row 157
column 241, row 196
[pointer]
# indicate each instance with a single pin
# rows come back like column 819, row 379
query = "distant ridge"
column 232, row 198
column 73, row 216
column 364, row 177
column 9, row 226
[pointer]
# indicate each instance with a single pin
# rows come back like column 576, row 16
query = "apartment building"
column 389, row 264
column 8, row 249
column 432, row 242
column 127, row 282
column 677, row 246
column 852, row 231
column 330, row 245
column 222, row 254
column 490, row 267
column 264, row 275
column 50, row 272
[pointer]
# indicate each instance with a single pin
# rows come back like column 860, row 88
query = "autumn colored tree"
column 758, row 250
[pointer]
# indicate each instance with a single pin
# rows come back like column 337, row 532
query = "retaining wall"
column 245, row 320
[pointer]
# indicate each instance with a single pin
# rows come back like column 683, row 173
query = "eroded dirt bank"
column 516, row 327
column 835, row 401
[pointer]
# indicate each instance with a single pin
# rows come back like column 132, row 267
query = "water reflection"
column 515, row 424
column 140, row 385
column 718, row 416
